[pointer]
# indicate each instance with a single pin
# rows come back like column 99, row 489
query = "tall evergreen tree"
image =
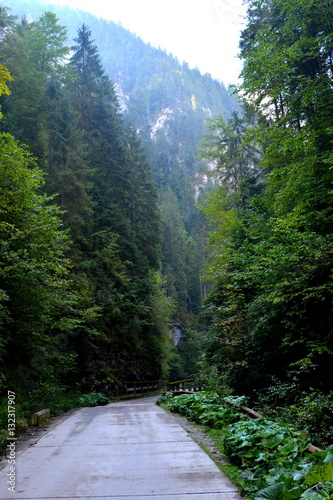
column 125, row 227
column 174, row 249
column 66, row 162
column 100, row 122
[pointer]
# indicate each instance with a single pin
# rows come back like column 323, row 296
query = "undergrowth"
column 311, row 410
column 268, row 461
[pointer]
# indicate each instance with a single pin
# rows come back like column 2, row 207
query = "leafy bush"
column 311, row 411
column 203, row 407
column 273, row 459
column 165, row 400
column 311, row 479
column 257, row 442
column 93, row 399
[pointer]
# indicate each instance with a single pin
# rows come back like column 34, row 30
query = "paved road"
column 129, row 450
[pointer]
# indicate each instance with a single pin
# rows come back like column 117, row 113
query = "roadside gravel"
column 197, row 433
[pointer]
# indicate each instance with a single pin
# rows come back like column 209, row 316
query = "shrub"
column 204, row 407
column 93, row 399
column 273, row 459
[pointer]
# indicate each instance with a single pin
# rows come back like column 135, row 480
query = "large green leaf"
column 320, row 474
column 323, row 491
column 275, row 492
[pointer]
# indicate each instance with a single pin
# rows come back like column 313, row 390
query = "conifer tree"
column 125, row 241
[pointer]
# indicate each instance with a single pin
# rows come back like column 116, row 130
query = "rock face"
column 176, row 333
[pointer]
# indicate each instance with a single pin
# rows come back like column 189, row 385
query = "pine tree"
column 125, row 239
column 66, row 162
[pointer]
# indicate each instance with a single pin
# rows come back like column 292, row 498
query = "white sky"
column 204, row 33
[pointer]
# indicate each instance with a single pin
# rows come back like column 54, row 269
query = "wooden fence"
column 189, row 385
column 136, row 387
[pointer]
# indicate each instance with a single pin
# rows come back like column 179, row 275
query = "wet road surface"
column 130, row 450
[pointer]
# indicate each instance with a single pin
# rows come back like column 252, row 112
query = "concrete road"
column 131, row 450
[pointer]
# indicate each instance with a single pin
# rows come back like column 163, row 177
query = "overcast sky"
column 204, row 33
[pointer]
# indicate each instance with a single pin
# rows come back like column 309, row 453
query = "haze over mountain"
column 166, row 103
column 204, row 33
column 160, row 96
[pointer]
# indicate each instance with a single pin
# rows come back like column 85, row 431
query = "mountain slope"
column 168, row 103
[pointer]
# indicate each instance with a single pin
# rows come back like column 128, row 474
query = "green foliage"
column 310, row 410
column 273, row 460
column 69, row 115
column 269, row 313
column 165, row 400
column 206, row 408
column 174, row 246
column 275, row 456
column 46, row 43
column 93, row 312
column 93, row 399
column 257, row 442
column 234, row 156
column 34, row 269
column 4, row 77
column 275, row 492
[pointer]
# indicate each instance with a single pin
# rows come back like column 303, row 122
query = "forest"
column 138, row 196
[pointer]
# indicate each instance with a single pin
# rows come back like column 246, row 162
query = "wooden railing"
column 188, row 385
column 136, row 387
